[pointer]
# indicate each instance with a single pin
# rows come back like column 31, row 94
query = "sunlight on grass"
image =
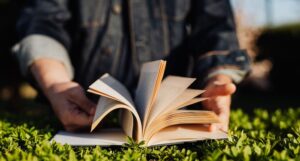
column 262, row 135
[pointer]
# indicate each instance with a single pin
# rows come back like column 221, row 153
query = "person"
column 66, row 45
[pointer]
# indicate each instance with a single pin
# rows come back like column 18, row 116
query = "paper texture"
column 181, row 117
column 108, row 86
column 184, row 133
column 147, row 89
column 103, row 138
column 115, row 96
column 171, row 87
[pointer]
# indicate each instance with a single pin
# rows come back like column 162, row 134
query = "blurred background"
column 268, row 29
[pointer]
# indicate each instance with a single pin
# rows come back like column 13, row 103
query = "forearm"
column 67, row 98
column 220, row 78
column 48, row 72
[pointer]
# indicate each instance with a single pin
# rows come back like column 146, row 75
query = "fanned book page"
column 155, row 114
column 115, row 96
column 149, row 82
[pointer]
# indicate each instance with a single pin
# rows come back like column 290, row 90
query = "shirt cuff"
column 35, row 47
column 236, row 75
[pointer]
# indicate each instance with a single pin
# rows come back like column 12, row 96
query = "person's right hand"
column 71, row 106
column 68, row 100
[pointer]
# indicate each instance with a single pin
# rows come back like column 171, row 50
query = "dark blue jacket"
column 196, row 37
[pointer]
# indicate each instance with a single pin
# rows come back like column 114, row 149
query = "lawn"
column 261, row 135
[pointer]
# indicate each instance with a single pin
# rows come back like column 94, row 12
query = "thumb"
column 79, row 119
column 82, row 119
column 220, row 89
column 86, row 105
column 83, row 102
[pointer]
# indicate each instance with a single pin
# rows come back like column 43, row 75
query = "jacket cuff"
column 35, row 47
column 235, row 64
column 236, row 75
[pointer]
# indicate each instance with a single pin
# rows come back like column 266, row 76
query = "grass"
column 261, row 135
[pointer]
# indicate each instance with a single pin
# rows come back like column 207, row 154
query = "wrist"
column 221, row 78
column 49, row 72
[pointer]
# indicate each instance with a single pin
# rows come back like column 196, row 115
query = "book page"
column 185, row 99
column 149, row 82
column 109, row 87
column 115, row 96
column 181, row 117
column 171, row 88
column 106, row 137
column 185, row 133
column 106, row 106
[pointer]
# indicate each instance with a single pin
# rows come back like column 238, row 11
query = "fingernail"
column 212, row 128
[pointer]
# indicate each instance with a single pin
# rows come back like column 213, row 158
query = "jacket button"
column 117, row 9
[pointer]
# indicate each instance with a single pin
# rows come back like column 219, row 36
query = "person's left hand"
column 219, row 90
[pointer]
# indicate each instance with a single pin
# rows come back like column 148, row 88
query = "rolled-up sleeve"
column 37, row 46
column 42, row 32
column 213, row 41
column 234, row 64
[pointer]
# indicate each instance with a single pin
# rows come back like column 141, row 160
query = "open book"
column 155, row 115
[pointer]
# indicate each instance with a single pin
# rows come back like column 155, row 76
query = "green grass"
column 261, row 135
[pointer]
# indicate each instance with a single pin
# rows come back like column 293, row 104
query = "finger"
column 71, row 128
column 218, row 104
column 76, row 128
column 214, row 127
column 218, row 89
column 204, row 127
column 224, row 118
column 79, row 98
column 211, row 127
column 80, row 118
column 74, row 118
column 79, row 129
column 86, row 105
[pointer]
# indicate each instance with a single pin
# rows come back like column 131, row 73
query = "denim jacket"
column 92, row 37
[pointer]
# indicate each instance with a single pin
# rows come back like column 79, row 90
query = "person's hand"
column 70, row 104
column 219, row 90
column 68, row 100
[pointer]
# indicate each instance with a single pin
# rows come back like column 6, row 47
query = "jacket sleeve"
column 213, row 41
column 41, row 28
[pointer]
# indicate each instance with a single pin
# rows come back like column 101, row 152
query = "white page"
column 103, row 138
column 181, row 117
column 106, row 106
column 185, row 133
column 108, row 86
column 171, row 88
column 148, row 85
column 111, row 89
